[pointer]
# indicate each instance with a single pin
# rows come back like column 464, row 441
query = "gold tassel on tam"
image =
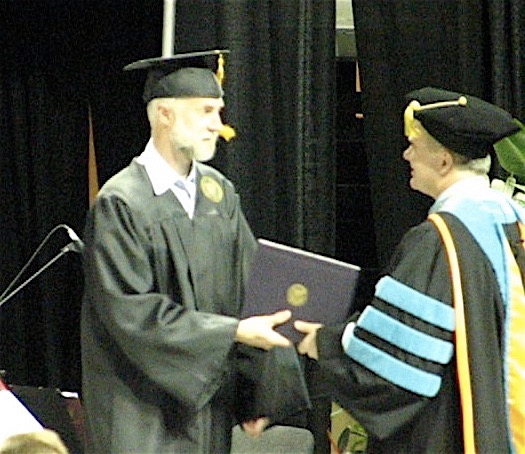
column 410, row 129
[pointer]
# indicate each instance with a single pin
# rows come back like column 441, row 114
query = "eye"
column 212, row 108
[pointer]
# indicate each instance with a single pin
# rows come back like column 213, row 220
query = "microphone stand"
column 40, row 246
column 71, row 247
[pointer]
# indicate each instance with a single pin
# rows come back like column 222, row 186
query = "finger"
column 302, row 349
column 280, row 317
column 255, row 427
column 304, row 327
column 279, row 340
column 261, row 424
column 249, row 428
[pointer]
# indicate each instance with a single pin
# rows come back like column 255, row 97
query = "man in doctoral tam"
column 435, row 364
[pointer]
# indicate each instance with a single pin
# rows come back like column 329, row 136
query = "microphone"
column 76, row 245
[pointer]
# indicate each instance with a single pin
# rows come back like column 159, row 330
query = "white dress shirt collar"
column 163, row 177
column 474, row 187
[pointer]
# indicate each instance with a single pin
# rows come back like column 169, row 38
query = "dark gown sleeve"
column 375, row 377
column 183, row 351
column 270, row 383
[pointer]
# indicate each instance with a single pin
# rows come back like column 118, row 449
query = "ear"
column 165, row 115
column 447, row 162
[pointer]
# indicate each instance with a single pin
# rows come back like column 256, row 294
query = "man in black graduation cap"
column 435, row 362
column 167, row 254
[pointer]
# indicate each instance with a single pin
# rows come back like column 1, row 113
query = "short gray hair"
column 151, row 108
column 479, row 166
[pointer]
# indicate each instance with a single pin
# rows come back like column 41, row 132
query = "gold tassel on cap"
column 220, row 68
column 226, row 132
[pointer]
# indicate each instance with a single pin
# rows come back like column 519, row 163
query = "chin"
column 204, row 154
column 204, row 157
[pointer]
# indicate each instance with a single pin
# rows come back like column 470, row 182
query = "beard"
column 205, row 150
column 200, row 150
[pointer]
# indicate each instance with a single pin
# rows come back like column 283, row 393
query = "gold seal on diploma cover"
column 297, row 295
column 211, row 189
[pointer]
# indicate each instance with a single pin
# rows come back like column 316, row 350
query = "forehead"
column 196, row 103
column 422, row 138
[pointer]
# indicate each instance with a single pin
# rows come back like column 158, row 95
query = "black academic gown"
column 158, row 320
column 401, row 420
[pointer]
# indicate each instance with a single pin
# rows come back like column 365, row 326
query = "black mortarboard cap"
column 188, row 75
column 465, row 124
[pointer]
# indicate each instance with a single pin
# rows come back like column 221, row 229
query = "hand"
column 258, row 331
column 255, row 427
column 308, row 345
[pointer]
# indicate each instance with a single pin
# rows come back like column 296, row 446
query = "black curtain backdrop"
column 280, row 85
column 43, row 138
column 462, row 45
column 59, row 58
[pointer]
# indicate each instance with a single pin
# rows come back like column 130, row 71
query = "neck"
column 453, row 178
column 175, row 158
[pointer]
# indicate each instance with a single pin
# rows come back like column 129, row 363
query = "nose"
column 216, row 122
column 407, row 153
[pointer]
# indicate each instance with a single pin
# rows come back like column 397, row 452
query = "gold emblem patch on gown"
column 211, row 189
